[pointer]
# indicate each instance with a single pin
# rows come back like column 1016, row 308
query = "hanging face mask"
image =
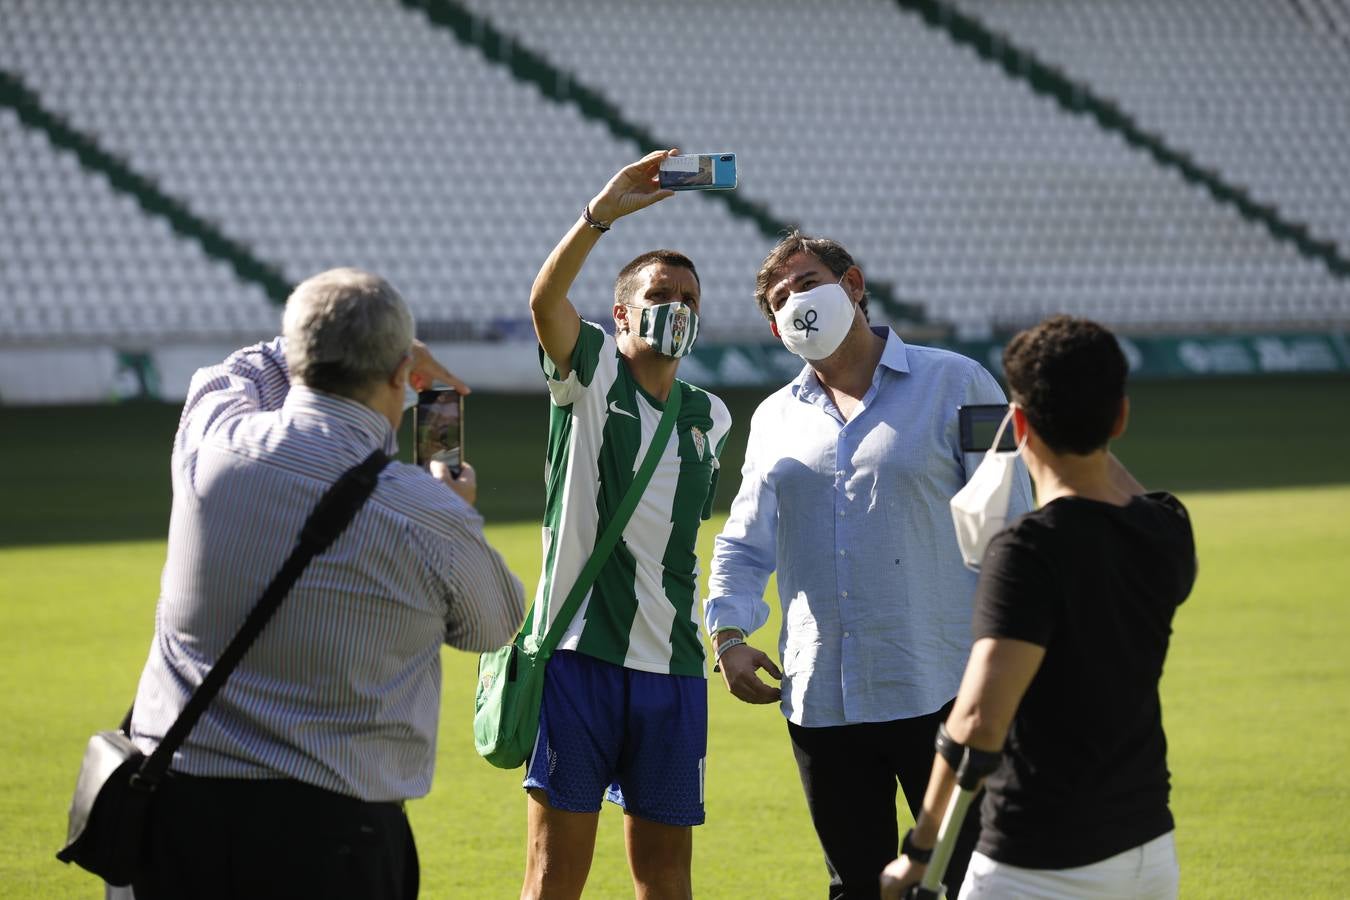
column 813, row 324
column 669, row 329
column 980, row 509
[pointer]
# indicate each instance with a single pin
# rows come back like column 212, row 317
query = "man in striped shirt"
column 292, row 783
column 624, row 713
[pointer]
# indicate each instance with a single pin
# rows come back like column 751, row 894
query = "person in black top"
column 1073, row 614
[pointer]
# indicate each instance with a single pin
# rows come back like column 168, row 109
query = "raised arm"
column 556, row 322
column 252, row 379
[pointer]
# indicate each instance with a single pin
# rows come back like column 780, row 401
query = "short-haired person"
column 292, row 783
column 624, row 713
column 1072, row 620
column 848, row 475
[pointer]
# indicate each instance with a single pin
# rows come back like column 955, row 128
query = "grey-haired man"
column 292, row 784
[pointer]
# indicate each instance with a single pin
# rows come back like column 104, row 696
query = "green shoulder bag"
column 511, row 678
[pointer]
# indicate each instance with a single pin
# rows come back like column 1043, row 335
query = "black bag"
column 117, row 782
column 108, row 811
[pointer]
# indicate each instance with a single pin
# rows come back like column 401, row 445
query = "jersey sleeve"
column 721, row 417
column 1018, row 595
column 591, row 341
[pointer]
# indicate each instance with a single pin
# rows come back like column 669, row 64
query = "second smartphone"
column 438, row 428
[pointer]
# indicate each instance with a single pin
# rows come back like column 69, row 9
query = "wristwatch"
column 917, row 854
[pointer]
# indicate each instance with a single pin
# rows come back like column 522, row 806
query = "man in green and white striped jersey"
column 624, row 715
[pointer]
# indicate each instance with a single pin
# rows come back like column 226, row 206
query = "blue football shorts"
column 637, row 739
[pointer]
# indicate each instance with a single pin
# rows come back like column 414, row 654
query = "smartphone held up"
column 698, row 172
column 438, row 429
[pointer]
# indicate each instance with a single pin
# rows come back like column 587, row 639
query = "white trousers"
column 1146, row 872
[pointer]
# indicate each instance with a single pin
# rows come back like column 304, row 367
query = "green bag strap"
column 616, row 524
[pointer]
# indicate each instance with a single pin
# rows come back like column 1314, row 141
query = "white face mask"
column 813, row 324
column 669, row 328
column 980, row 509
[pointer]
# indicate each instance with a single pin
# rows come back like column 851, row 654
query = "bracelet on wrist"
column 592, row 221
column 907, row 848
column 727, row 645
column 723, row 648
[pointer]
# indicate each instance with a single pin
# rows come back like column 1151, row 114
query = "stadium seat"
column 331, row 132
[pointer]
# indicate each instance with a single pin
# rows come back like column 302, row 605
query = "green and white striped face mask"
column 670, row 328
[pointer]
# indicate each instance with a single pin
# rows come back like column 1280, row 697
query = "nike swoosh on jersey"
column 615, row 408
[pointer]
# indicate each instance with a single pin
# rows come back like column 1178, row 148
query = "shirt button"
column 841, row 513
column 843, row 552
column 843, row 594
column 845, row 634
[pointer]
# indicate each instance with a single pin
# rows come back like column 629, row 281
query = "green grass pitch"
column 1256, row 694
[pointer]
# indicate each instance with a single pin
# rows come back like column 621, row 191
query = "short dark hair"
column 830, row 253
column 1069, row 376
column 626, row 283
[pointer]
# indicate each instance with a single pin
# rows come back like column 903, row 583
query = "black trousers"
column 219, row 838
column 850, row 773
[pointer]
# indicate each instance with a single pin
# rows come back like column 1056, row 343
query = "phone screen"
column 979, row 424
column 438, row 428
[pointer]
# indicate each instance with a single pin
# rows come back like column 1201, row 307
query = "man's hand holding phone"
column 466, row 484
column 632, row 188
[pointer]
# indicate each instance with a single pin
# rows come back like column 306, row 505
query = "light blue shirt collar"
column 807, row 388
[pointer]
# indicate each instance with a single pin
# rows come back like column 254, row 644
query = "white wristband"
column 727, row 645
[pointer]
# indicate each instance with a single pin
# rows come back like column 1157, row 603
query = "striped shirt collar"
column 367, row 427
column 806, row 386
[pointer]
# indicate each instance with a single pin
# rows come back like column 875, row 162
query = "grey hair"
column 346, row 330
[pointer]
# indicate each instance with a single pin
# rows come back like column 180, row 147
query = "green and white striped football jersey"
column 642, row 611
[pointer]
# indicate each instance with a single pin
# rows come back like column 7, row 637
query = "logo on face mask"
column 678, row 325
column 670, row 328
column 814, row 323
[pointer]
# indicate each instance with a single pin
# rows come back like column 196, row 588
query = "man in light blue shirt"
column 848, row 473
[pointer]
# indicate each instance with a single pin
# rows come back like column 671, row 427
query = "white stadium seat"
column 356, row 132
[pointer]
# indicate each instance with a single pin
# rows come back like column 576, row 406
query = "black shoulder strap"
column 334, row 512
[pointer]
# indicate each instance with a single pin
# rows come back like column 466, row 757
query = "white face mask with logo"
column 980, row 509
column 668, row 328
column 813, row 324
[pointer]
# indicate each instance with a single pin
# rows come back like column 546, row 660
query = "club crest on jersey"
column 700, row 442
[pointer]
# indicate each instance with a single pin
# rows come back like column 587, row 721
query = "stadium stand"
column 1258, row 89
column 325, row 132
column 973, row 192
column 353, row 132
column 77, row 258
